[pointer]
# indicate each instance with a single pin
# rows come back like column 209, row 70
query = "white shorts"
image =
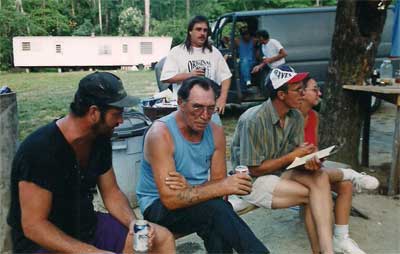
column 263, row 188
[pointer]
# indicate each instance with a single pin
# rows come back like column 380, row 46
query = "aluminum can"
column 141, row 231
column 241, row 169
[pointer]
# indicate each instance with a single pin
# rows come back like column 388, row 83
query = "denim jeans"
column 246, row 66
column 214, row 221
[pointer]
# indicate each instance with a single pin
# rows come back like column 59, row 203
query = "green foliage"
column 176, row 28
column 119, row 17
column 49, row 22
column 130, row 22
column 12, row 24
column 85, row 29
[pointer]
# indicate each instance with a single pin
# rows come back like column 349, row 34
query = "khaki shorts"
column 263, row 188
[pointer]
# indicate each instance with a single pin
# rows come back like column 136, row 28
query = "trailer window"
column 58, row 48
column 124, row 48
column 146, row 48
column 26, row 46
column 105, row 50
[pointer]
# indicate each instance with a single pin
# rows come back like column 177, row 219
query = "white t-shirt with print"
column 179, row 60
column 272, row 49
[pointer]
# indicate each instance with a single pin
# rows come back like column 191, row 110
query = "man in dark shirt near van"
column 56, row 170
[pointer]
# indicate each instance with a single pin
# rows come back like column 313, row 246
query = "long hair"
column 193, row 21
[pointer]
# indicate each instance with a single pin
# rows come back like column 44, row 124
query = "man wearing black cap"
column 55, row 173
column 267, row 139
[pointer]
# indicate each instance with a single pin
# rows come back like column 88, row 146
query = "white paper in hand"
column 320, row 154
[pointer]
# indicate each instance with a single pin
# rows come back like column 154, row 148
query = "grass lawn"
column 43, row 97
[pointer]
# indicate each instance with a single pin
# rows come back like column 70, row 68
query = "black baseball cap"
column 104, row 88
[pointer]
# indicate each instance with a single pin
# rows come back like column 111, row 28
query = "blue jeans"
column 214, row 221
column 246, row 65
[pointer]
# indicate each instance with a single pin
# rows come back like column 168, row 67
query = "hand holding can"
column 140, row 240
column 241, row 169
column 202, row 69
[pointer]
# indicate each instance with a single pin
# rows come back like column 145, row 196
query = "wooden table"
column 392, row 95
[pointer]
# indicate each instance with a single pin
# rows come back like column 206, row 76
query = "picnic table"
column 390, row 94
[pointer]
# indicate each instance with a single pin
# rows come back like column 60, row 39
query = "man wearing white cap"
column 267, row 138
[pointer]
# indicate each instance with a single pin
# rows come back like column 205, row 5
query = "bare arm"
column 35, row 208
column 178, row 78
column 282, row 53
column 159, row 152
column 270, row 166
column 221, row 101
column 114, row 200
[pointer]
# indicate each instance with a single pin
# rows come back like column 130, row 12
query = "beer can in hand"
column 241, row 169
column 141, row 231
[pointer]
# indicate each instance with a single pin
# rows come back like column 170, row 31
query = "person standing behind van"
column 197, row 57
column 272, row 50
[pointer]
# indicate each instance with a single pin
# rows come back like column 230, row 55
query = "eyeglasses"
column 198, row 109
column 298, row 90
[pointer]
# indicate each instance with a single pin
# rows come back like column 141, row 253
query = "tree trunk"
column 107, row 23
column 188, row 9
column 18, row 6
column 146, row 17
column 357, row 34
column 73, row 8
column 100, row 20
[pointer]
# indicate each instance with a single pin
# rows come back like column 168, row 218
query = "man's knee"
column 344, row 187
column 163, row 235
column 320, row 179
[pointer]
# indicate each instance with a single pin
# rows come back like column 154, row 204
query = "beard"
column 102, row 129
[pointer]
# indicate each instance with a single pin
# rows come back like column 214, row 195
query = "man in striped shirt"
column 267, row 138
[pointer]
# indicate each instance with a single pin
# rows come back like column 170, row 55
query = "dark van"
column 305, row 33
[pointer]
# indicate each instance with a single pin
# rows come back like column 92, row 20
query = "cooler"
column 127, row 149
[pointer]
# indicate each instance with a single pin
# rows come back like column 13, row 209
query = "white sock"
column 349, row 174
column 341, row 231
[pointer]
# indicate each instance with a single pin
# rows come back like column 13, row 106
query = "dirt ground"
column 283, row 231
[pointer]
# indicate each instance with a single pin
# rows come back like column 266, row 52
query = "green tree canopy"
column 130, row 22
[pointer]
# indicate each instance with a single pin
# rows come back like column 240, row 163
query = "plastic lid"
column 135, row 124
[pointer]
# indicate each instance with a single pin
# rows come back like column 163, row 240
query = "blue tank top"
column 192, row 160
column 246, row 50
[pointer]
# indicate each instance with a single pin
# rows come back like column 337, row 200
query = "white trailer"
column 89, row 51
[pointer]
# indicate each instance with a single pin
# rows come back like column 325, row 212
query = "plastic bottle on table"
column 386, row 71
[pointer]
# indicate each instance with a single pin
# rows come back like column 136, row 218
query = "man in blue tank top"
column 183, row 175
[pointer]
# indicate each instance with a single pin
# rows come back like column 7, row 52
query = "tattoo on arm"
column 189, row 195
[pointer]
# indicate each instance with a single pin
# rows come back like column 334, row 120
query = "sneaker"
column 248, row 83
column 364, row 181
column 346, row 245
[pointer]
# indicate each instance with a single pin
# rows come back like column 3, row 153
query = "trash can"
column 127, row 150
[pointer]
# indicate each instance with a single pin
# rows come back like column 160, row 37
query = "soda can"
column 141, row 231
column 242, row 169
